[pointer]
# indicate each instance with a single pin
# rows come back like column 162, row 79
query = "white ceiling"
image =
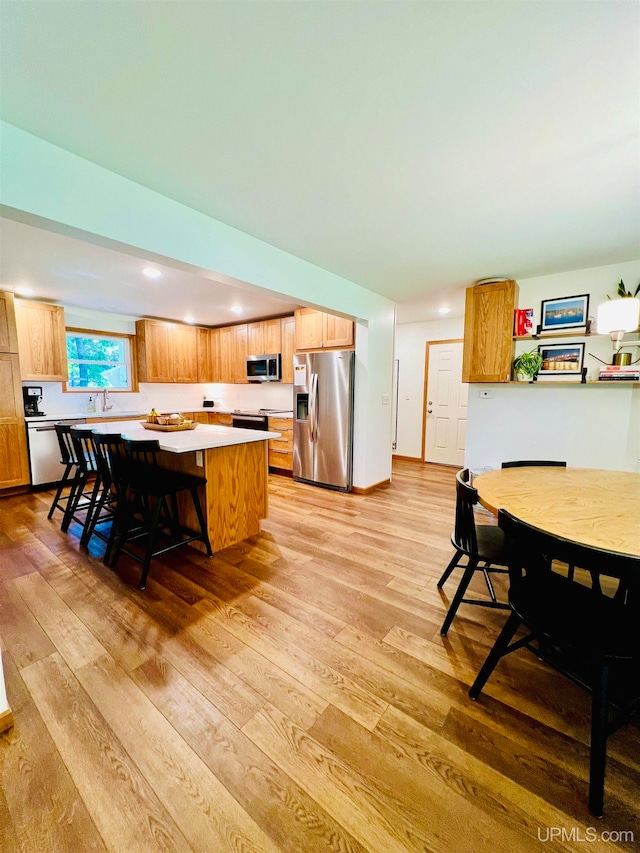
column 62, row 269
column 411, row 147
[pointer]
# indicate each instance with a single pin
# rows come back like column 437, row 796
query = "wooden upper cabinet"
column 184, row 343
column 153, row 346
column 225, row 371
column 488, row 332
column 240, row 350
column 272, row 338
column 42, row 341
column 337, row 331
column 287, row 336
column 308, row 328
column 318, row 330
column 255, row 338
column 214, row 344
column 167, row 352
column 205, row 355
column 264, row 337
column 8, row 331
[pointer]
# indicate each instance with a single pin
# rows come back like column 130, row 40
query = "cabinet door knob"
column 429, row 411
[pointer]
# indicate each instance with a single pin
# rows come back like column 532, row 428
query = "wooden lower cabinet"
column 281, row 449
column 14, row 462
column 221, row 418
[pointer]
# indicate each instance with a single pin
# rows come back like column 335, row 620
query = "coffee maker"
column 32, row 394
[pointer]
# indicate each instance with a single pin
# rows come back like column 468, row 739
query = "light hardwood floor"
column 290, row 694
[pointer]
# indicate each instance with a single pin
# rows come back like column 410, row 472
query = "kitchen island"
column 234, row 463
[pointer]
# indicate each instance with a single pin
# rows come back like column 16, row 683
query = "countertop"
column 111, row 414
column 69, row 416
column 203, row 437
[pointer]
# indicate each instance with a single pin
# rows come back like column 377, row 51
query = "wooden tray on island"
column 169, row 427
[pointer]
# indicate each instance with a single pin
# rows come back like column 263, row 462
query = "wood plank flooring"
column 290, row 695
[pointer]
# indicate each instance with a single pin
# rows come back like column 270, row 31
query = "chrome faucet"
column 106, row 402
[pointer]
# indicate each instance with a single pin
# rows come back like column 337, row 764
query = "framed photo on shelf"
column 568, row 312
column 561, row 359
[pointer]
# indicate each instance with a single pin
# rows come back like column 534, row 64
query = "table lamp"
column 615, row 318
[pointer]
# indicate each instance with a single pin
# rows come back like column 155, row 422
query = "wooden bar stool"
column 110, row 461
column 148, row 507
column 83, row 497
column 71, row 471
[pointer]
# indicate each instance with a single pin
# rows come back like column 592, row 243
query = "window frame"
column 101, row 333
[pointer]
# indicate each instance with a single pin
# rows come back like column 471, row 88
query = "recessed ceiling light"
column 237, row 309
column 444, row 311
column 151, row 272
column 25, row 291
column 189, row 319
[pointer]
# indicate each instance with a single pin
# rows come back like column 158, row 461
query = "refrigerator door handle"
column 313, row 407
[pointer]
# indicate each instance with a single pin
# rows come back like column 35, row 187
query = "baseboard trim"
column 6, row 720
column 358, row 491
column 281, row 472
column 14, row 490
column 406, row 458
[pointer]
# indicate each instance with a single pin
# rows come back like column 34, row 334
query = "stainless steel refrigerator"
column 323, row 418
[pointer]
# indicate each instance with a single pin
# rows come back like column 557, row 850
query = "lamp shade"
column 618, row 315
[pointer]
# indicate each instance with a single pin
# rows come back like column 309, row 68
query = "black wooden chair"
column 87, row 481
column 585, row 625
column 527, row 463
column 110, row 462
column 481, row 544
column 71, row 471
column 148, row 507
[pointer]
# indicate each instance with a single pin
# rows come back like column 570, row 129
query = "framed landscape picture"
column 568, row 312
column 563, row 359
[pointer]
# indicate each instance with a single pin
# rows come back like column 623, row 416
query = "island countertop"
column 203, row 437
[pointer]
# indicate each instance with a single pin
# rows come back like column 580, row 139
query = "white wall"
column 590, row 426
column 411, row 341
column 587, row 426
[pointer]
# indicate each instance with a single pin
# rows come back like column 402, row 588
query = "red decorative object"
column 523, row 322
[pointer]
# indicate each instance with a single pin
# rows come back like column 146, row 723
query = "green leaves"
column 528, row 363
column 622, row 290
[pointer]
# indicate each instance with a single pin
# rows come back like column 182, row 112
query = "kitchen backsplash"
column 169, row 397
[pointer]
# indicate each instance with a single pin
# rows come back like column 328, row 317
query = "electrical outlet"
column 199, row 459
column 385, row 399
column 485, row 395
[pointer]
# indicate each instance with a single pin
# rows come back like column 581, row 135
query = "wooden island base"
column 235, row 498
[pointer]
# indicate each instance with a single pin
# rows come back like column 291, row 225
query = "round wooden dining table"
column 586, row 505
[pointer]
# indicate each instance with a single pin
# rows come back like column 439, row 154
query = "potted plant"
column 526, row 365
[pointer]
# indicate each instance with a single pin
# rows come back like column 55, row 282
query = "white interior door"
column 446, row 415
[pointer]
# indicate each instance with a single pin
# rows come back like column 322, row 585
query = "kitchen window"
column 98, row 360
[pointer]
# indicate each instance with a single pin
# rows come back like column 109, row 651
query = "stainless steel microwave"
column 264, row 368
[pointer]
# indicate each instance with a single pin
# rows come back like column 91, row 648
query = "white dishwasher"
column 44, row 450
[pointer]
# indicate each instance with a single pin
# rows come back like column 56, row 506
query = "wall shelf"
column 548, row 337
column 561, row 383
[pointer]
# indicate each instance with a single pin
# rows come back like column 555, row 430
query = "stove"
column 255, row 418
